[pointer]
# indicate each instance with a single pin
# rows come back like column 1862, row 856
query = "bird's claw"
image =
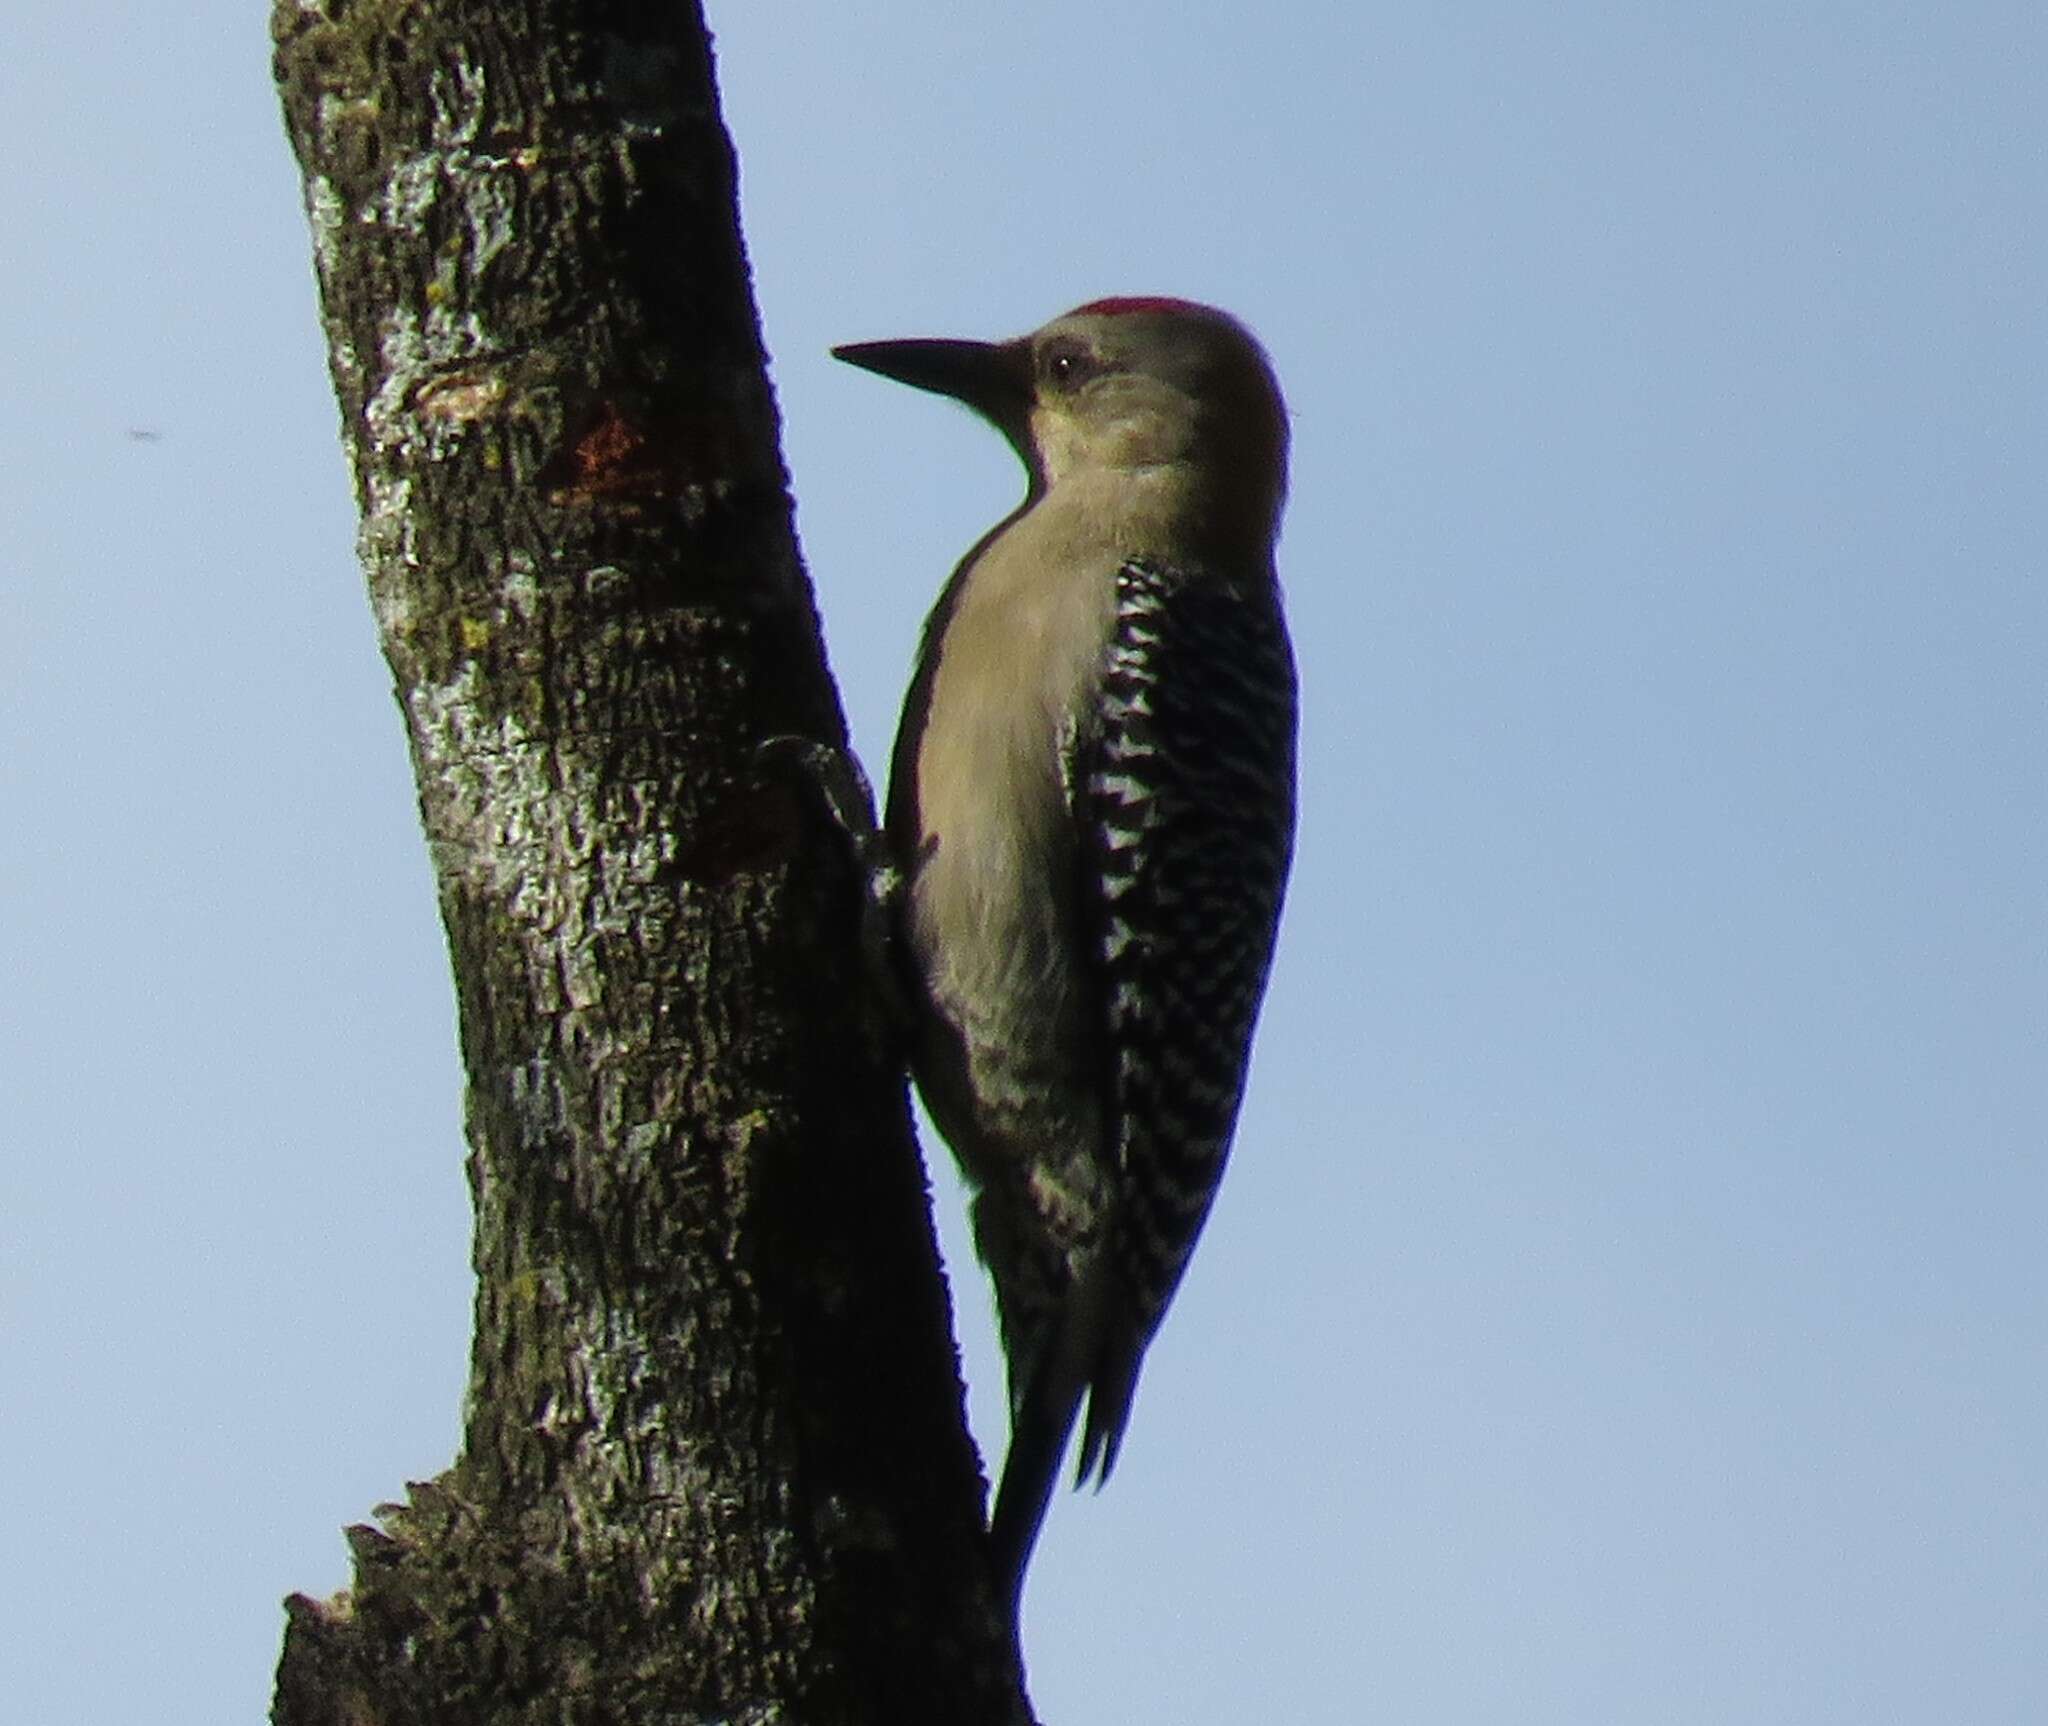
column 838, row 777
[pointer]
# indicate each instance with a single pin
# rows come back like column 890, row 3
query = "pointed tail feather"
column 1039, row 1429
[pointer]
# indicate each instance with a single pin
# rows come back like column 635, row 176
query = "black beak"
column 993, row 378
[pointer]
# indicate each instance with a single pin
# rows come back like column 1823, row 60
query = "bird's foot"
column 838, row 778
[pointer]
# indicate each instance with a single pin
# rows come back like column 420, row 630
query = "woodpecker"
column 1091, row 800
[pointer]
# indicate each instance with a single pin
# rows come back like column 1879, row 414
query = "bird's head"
column 1121, row 390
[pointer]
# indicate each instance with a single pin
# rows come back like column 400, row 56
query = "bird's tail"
column 1039, row 1428
column 1083, row 1353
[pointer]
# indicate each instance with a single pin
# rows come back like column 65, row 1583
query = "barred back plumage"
column 1188, row 797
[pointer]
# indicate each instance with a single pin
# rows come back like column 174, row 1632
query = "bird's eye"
column 1066, row 364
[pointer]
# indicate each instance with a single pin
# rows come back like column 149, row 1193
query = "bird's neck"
column 1170, row 511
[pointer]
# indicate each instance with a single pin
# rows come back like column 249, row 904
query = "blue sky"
column 1628, row 1299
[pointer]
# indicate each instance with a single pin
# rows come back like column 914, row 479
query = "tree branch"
column 714, row 1464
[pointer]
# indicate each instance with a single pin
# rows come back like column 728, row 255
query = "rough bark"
column 714, row 1466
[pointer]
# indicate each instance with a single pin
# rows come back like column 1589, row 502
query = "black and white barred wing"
column 1189, row 790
